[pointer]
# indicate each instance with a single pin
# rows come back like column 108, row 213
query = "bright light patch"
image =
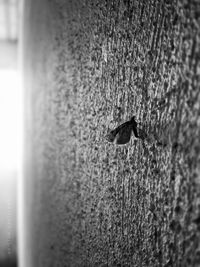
column 10, row 157
column 10, row 120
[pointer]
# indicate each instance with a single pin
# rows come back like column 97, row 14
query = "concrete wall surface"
column 89, row 66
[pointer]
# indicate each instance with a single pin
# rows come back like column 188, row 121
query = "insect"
column 122, row 134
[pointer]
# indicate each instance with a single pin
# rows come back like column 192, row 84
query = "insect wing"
column 124, row 135
column 110, row 137
column 134, row 128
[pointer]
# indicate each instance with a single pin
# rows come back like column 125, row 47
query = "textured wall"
column 91, row 65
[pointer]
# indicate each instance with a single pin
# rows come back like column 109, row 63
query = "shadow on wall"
column 8, row 262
